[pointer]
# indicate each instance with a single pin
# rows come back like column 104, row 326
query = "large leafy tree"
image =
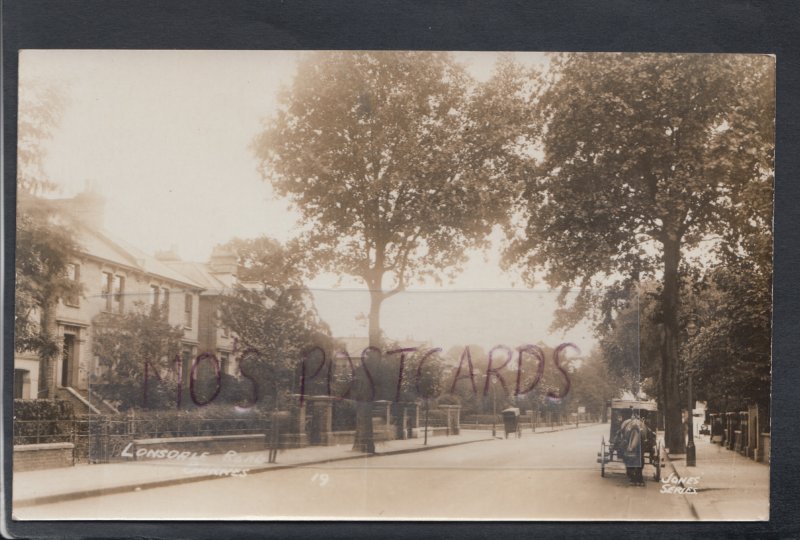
column 730, row 355
column 43, row 246
column 732, row 352
column 395, row 166
column 273, row 317
column 644, row 156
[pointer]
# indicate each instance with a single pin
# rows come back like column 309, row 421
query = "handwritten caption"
column 316, row 364
column 229, row 464
column 680, row 485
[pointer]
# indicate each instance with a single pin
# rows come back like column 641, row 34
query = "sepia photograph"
column 393, row 286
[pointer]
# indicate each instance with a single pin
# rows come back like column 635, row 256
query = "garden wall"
column 33, row 457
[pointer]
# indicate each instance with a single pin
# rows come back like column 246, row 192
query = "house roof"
column 99, row 243
column 198, row 273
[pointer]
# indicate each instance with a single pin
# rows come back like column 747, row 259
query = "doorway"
column 20, row 376
column 67, row 359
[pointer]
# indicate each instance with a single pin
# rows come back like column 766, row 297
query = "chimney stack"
column 169, row 255
column 223, row 261
column 88, row 207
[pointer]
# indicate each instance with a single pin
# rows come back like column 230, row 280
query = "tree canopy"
column 387, row 159
column 272, row 315
column 41, row 107
column 643, row 157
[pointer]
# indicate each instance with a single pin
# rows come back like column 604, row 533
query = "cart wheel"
column 603, row 457
column 657, row 463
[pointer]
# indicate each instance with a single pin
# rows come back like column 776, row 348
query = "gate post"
column 321, row 420
column 412, row 409
column 295, row 435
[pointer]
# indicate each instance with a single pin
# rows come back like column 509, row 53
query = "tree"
column 43, row 246
column 423, row 379
column 41, row 108
column 272, row 315
column 471, row 399
column 593, row 384
column 630, row 345
column 394, row 168
column 644, row 156
column 44, row 251
column 731, row 353
column 137, row 350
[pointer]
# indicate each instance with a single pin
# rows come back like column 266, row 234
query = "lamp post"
column 691, row 454
column 494, row 404
column 494, row 412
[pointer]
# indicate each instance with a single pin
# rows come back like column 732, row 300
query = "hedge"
column 42, row 421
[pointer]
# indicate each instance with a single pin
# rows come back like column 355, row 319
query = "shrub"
column 42, row 421
column 211, row 420
column 344, row 415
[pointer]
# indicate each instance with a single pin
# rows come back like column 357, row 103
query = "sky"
column 166, row 137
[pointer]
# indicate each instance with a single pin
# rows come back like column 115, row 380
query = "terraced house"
column 115, row 276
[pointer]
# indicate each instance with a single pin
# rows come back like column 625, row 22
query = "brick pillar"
column 401, row 420
column 382, row 412
column 754, row 433
column 412, row 410
column 321, row 409
column 453, row 418
column 294, row 434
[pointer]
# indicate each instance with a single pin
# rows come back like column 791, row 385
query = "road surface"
column 543, row 476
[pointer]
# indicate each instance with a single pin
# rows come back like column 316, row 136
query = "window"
column 119, row 294
column 224, row 329
column 107, row 282
column 187, row 311
column 165, row 300
column 224, row 362
column 155, row 293
column 73, row 274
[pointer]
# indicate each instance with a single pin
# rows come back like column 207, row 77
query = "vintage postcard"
column 393, row 285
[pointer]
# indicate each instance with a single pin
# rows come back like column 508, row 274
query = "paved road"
column 547, row 476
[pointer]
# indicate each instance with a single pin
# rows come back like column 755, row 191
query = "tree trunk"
column 48, row 353
column 673, row 425
column 375, row 301
column 365, row 439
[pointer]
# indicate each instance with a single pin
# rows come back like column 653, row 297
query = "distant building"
column 115, row 276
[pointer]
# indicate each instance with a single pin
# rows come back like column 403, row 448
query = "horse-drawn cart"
column 632, row 438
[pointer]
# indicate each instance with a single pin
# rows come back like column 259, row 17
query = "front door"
column 67, row 358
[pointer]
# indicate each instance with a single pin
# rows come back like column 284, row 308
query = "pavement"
column 50, row 486
column 725, row 485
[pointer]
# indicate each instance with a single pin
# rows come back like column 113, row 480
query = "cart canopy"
column 634, row 404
